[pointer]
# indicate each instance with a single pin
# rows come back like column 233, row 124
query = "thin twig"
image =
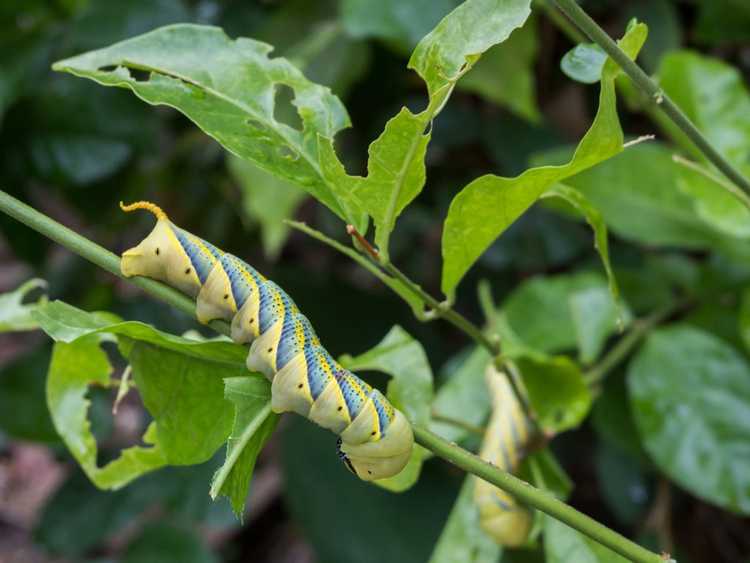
column 729, row 186
column 478, row 430
column 638, row 329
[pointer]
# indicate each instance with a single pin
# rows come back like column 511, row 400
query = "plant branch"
column 625, row 345
column 534, row 497
column 440, row 447
column 652, row 90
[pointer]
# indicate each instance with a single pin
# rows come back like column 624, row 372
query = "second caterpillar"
column 375, row 439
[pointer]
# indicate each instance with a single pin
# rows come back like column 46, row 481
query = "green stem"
column 652, row 90
column 534, row 497
column 625, row 345
column 440, row 447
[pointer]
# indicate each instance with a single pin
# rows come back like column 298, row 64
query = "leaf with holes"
column 228, row 88
column 396, row 164
column 14, row 313
column 180, row 380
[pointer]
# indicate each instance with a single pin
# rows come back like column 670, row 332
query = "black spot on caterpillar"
column 375, row 439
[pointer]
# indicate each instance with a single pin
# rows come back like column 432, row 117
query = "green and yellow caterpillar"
column 375, row 439
column 506, row 521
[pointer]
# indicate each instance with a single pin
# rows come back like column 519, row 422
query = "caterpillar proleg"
column 375, row 439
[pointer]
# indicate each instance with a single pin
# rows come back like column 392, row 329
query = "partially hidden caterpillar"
column 375, row 439
column 500, row 515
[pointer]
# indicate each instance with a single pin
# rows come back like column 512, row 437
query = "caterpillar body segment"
column 500, row 515
column 375, row 439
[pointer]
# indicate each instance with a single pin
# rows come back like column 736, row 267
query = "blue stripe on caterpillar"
column 375, row 439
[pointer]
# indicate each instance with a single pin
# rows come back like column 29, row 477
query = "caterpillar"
column 500, row 516
column 375, row 439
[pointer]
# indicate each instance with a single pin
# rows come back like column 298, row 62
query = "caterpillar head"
column 151, row 257
column 383, row 458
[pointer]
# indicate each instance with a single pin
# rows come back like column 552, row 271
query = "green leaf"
column 395, row 172
column 543, row 470
column 505, row 73
column 166, row 542
column 488, row 205
column 267, row 200
column 563, row 544
column 562, row 312
column 713, row 95
column 180, row 381
column 252, row 427
column 596, row 222
column 410, row 390
column 23, row 412
column 65, row 323
column 14, row 314
column 640, row 197
column 690, row 393
column 397, row 22
column 404, row 359
column 185, row 396
column 714, row 204
column 584, row 63
column 73, row 368
column 557, row 391
column 463, row 397
column 462, row 540
column 462, row 36
column 396, row 167
column 227, row 88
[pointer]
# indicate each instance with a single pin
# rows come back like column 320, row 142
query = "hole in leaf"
column 283, row 110
column 140, row 75
column 107, row 68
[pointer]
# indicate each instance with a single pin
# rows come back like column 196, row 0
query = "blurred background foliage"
column 74, row 150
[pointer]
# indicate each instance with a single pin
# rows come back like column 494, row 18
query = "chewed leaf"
column 14, row 313
column 463, row 35
column 228, row 88
column 180, row 380
column 396, row 163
